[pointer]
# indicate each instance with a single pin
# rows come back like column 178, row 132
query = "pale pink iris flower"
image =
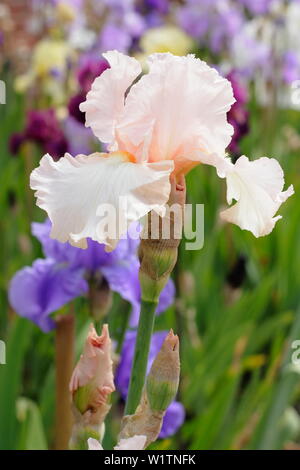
column 165, row 122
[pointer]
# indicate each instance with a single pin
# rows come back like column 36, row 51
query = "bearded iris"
column 156, row 128
column 171, row 119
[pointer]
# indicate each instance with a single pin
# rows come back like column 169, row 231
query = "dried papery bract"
column 160, row 390
column 91, row 385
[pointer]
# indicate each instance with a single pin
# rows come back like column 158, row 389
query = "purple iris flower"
column 258, row 7
column 175, row 414
column 291, row 67
column 212, row 22
column 43, row 128
column 173, row 420
column 81, row 139
column 238, row 115
column 115, row 37
column 89, row 69
column 125, row 281
column 73, row 107
column 37, row 291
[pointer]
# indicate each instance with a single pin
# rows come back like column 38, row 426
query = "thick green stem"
column 141, row 352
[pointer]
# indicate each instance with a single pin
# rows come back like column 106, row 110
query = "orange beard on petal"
column 126, row 157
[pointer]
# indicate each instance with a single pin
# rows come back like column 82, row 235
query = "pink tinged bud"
column 163, row 379
column 92, row 379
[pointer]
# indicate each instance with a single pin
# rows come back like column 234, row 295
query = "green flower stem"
column 141, row 352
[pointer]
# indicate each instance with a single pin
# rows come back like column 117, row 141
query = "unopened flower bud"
column 159, row 243
column 90, row 385
column 161, row 388
column 92, row 379
column 163, row 379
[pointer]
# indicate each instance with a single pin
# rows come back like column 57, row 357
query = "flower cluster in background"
column 69, row 36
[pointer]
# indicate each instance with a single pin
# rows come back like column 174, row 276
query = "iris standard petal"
column 177, row 111
column 104, row 103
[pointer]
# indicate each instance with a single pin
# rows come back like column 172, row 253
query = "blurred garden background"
column 235, row 304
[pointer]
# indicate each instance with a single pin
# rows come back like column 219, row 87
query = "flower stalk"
column 158, row 255
column 142, row 345
column 64, row 345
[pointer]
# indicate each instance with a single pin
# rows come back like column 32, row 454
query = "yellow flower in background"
column 166, row 38
column 48, row 69
column 65, row 12
column 49, row 55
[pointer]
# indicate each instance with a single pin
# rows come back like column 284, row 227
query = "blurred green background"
column 237, row 309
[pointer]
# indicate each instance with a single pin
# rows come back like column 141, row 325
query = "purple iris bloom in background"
column 123, row 25
column 37, row 291
column 73, row 107
column 175, row 414
column 238, row 115
column 125, row 281
column 212, row 22
column 258, row 7
column 42, row 127
column 291, row 67
column 89, row 68
column 81, row 139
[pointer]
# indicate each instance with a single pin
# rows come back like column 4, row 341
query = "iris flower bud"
column 160, row 390
column 163, row 379
column 90, row 385
column 159, row 243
